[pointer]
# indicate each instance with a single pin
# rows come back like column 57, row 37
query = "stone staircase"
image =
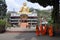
column 20, row 29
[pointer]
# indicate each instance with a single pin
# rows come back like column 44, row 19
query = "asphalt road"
column 26, row 36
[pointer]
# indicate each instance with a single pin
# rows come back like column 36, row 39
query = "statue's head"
column 24, row 4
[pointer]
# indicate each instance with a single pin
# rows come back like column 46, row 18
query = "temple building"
column 24, row 16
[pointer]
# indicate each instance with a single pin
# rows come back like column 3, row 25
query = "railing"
column 20, row 19
column 28, row 22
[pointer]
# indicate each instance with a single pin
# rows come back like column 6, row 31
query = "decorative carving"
column 24, row 17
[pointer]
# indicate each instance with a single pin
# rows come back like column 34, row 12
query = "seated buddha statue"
column 24, row 8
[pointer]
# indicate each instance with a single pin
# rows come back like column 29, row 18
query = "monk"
column 41, row 28
column 50, row 30
column 44, row 30
column 37, row 30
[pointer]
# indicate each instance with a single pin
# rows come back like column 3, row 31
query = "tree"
column 3, row 9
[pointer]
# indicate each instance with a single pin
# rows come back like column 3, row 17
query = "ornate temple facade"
column 24, row 16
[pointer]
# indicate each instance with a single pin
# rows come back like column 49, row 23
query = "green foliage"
column 8, row 24
column 2, row 26
column 50, row 22
column 2, row 22
column 44, row 13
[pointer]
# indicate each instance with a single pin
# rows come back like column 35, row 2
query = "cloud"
column 37, row 6
column 11, row 4
column 16, row 4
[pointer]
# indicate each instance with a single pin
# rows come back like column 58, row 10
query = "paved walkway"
column 26, row 36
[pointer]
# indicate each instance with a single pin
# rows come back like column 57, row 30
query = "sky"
column 17, row 4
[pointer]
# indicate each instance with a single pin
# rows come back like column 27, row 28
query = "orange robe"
column 50, row 31
column 37, row 30
column 44, row 30
column 41, row 29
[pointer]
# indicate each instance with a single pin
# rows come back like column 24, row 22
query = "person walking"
column 50, row 31
column 37, row 30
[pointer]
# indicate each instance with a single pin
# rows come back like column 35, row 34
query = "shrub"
column 50, row 22
column 2, row 26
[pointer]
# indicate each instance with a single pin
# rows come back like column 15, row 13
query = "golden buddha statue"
column 24, row 9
